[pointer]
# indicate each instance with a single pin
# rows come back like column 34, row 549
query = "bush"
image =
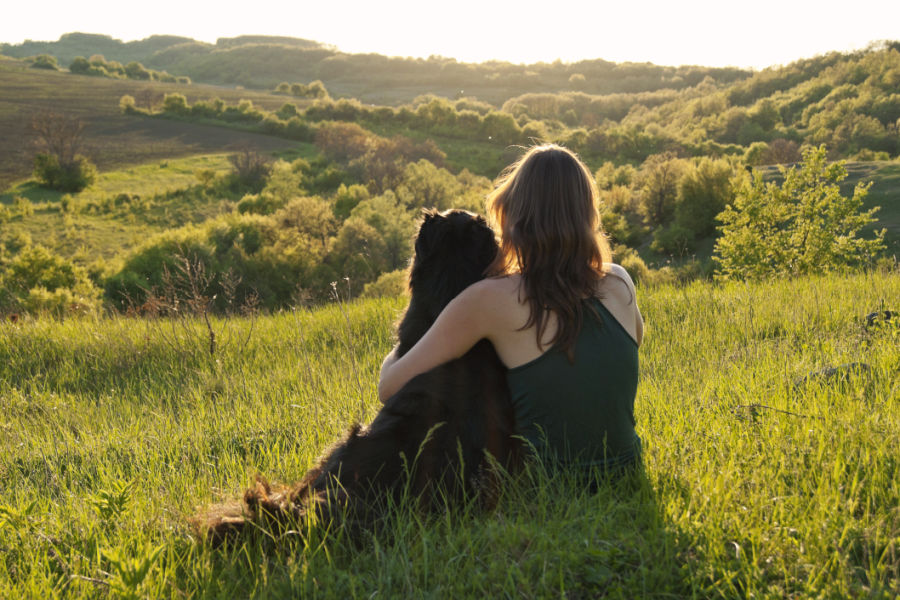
column 673, row 239
column 45, row 61
column 80, row 65
column 803, row 226
column 704, row 191
column 249, row 170
column 72, row 177
column 39, row 281
column 176, row 104
column 390, row 285
column 634, row 264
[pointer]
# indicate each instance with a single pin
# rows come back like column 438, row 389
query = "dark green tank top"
column 581, row 414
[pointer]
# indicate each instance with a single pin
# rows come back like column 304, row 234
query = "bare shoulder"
column 498, row 292
column 617, row 284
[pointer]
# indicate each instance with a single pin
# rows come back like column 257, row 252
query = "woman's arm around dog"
column 480, row 311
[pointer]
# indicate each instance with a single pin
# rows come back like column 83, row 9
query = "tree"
column 803, row 226
column 45, row 61
column 249, row 169
column 58, row 164
column 658, row 179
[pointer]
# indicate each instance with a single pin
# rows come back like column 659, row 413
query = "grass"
column 756, row 484
column 114, row 140
column 163, row 194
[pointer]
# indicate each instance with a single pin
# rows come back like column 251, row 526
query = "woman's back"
column 553, row 258
column 581, row 411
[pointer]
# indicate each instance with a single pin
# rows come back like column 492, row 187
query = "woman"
column 562, row 317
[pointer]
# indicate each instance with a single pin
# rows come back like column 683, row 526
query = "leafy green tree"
column 347, row 197
column 427, row 186
column 176, row 104
column 396, row 226
column 658, row 180
column 79, row 65
column 704, row 190
column 45, row 61
column 310, row 216
column 58, row 163
column 135, row 70
column 805, row 225
column 358, row 253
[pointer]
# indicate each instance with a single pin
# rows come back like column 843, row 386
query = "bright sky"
column 755, row 34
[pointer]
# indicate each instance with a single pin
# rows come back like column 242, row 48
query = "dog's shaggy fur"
column 441, row 437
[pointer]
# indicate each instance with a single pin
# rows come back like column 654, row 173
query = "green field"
column 114, row 140
column 759, row 483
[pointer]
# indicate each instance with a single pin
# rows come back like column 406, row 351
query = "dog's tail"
column 271, row 509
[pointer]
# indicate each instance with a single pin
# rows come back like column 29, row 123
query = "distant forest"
column 262, row 62
column 379, row 138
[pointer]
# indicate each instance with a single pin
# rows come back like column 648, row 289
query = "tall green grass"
column 758, row 482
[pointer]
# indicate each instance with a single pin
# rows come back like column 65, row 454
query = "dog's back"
column 442, row 435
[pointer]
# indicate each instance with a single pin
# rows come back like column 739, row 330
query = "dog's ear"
column 427, row 237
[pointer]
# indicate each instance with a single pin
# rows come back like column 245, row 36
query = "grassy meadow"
column 113, row 140
column 764, row 476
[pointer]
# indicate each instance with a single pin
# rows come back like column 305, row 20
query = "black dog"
column 439, row 438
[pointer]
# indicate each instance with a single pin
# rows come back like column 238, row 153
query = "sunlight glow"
column 703, row 32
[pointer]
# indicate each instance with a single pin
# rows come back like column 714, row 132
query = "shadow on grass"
column 548, row 536
column 32, row 191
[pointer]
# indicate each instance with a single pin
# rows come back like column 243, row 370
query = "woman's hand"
column 389, row 360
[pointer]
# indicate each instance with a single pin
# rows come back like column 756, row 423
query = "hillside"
column 113, row 139
column 764, row 476
column 263, row 62
column 355, row 176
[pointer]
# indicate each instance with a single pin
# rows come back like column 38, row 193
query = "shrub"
column 634, row 264
column 803, row 226
column 80, row 65
column 673, row 239
column 249, row 170
column 127, row 104
column 176, row 104
column 390, row 284
column 45, row 61
column 39, row 281
column 71, row 177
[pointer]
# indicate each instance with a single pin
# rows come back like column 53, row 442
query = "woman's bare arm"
column 468, row 318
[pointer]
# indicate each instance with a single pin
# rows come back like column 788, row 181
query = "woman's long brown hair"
column 545, row 207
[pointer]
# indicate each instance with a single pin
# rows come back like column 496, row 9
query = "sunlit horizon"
column 695, row 32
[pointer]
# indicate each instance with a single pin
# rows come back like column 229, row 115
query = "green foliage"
column 395, row 227
column 388, row 285
column 249, row 170
column 70, row 177
column 347, row 197
column 424, row 185
column 90, row 403
column 704, row 190
column 314, row 89
column 38, row 281
column 112, row 504
column 45, row 61
column 805, row 225
column 130, row 571
column 659, row 177
column 175, row 104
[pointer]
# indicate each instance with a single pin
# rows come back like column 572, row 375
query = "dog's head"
column 453, row 249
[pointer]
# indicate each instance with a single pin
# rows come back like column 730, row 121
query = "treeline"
column 98, row 66
column 297, row 229
column 263, row 62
